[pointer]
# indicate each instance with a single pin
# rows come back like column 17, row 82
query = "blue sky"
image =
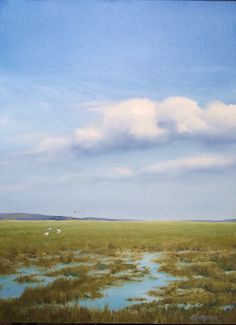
column 121, row 109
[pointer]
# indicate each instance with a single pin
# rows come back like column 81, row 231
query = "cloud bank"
column 141, row 121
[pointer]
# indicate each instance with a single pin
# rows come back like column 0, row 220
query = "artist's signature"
column 203, row 318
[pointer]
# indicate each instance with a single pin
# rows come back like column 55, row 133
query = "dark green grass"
column 21, row 237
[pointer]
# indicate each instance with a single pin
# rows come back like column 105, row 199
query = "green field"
column 202, row 255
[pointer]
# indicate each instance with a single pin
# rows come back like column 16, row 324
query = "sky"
column 118, row 109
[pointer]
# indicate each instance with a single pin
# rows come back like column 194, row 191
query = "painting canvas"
column 117, row 161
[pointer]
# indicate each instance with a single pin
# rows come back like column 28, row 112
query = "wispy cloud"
column 194, row 163
column 141, row 121
column 119, row 173
column 173, row 167
column 52, row 145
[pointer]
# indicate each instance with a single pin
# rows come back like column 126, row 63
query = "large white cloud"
column 141, row 121
column 181, row 115
column 134, row 119
column 221, row 119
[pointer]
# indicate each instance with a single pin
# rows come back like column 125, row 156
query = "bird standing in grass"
column 47, row 233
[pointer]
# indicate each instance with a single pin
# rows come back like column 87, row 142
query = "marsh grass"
column 204, row 278
column 6, row 267
column 74, row 271
column 95, row 237
column 202, row 255
column 63, row 289
column 151, row 312
column 27, row 278
column 120, row 266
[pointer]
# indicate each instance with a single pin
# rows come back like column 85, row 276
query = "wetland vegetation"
column 156, row 272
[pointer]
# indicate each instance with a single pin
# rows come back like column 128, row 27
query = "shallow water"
column 115, row 297
column 9, row 288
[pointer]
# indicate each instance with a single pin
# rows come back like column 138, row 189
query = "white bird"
column 58, row 230
column 46, row 233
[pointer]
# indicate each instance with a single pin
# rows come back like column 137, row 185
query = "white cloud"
column 52, row 145
column 173, row 167
column 134, row 117
column 146, row 121
column 119, row 173
column 185, row 116
column 195, row 163
column 221, row 118
column 89, row 137
column 141, row 121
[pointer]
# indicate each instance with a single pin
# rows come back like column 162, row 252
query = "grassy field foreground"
column 202, row 254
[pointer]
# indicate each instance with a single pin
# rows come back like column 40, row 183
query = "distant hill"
column 107, row 219
column 30, row 216
column 33, row 216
